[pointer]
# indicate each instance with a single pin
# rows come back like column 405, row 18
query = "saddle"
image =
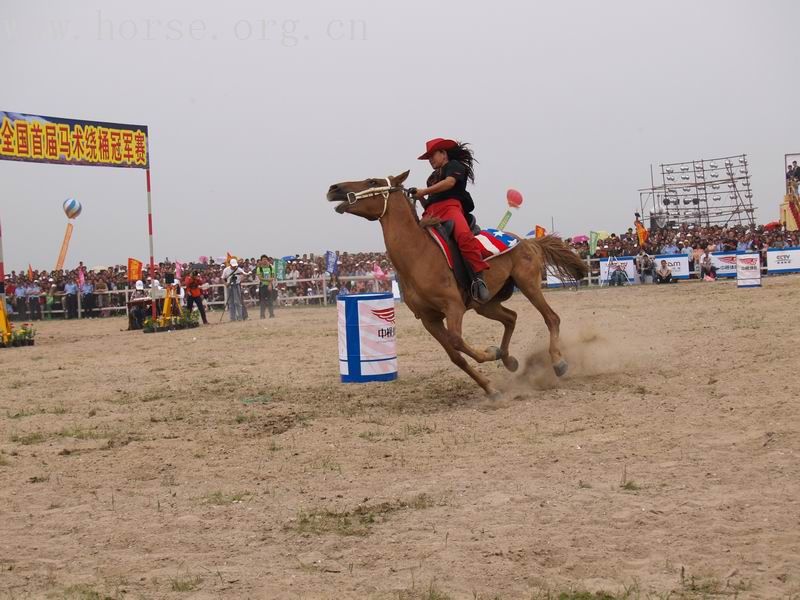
column 494, row 242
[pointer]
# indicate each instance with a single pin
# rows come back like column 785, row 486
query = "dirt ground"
column 229, row 462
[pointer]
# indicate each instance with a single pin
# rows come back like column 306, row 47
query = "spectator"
column 71, row 295
column 87, row 298
column 664, row 273
column 618, row 276
column 34, row 293
column 194, row 295
column 645, row 266
column 21, row 299
column 707, row 268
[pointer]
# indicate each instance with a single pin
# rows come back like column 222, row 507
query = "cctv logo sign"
column 783, row 260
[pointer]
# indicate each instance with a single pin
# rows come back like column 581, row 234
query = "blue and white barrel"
column 367, row 348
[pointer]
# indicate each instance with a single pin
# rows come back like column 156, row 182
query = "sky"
column 255, row 108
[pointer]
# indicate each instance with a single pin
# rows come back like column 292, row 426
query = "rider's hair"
column 463, row 154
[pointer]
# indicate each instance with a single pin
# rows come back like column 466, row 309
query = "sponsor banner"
column 552, row 279
column 34, row 138
column 748, row 270
column 626, row 262
column 678, row 264
column 783, row 260
column 725, row 262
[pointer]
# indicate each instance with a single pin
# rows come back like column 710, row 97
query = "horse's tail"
column 567, row 265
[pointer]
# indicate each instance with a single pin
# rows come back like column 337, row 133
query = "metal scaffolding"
column 705, row 192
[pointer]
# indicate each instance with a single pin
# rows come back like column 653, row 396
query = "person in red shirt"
column 194, row 294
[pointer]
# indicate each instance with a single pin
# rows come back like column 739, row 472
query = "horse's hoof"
column 511, row 363
column 494, row 352
column 561, row 368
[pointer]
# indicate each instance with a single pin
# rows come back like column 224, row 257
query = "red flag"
column 540, row 231
column 30, row 272
column 134, row 269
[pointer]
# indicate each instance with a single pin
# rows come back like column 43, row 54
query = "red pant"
column 471, row 249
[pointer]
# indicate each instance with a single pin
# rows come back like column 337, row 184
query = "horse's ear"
column 399, row 179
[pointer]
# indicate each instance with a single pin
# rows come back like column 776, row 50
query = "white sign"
column 554, row 280
column 783, row 260
column 748, row 270
column 725, row 262
column 626, row 262
column 678, row 264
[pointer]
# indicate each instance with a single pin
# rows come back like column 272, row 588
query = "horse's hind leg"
column 437, row 329
column 497, row 312
column 533, row 292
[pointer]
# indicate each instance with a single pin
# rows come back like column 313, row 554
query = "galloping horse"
column 429, row 286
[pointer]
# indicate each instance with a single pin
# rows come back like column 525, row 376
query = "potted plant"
column 148, row 325
column 192, row 319
column 26, row 333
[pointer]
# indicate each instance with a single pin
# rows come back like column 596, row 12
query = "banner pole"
column 64, row 247
column 150, row 236
column 5, row 328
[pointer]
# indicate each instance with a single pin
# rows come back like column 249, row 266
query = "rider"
column 449, row 200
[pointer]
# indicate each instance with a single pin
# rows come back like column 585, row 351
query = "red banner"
column 134, row 269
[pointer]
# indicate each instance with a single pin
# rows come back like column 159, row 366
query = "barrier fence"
column 107, row 303
column 318, row 290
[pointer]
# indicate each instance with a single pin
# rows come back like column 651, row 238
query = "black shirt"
column 457, row 171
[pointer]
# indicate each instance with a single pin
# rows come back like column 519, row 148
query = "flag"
column 641, row 231
column 331, row 262
column 30, row 272
column 178, row 270
column 81, row 277
column 134, row 269
column 280, row 269
column 504, row 220
column 228, row 257
column 593, row 237
column 540, row 231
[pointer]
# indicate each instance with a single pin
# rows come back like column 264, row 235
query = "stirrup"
column 478, row 289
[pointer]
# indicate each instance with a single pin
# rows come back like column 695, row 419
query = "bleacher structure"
column 704, row 192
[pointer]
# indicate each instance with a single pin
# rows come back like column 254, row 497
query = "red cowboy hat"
column 435, row 144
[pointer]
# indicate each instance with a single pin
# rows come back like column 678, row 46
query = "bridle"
column 353, row 197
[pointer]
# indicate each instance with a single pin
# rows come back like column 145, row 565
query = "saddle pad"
column 494, row 242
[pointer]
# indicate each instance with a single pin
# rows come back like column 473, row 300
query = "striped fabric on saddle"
column 494, row 241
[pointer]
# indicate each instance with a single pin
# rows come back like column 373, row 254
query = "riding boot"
column 479, row 291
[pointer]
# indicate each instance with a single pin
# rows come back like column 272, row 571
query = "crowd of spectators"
column 691, row 240
column 38, row 294
column 99, row 291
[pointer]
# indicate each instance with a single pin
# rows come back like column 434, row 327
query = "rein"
column 353, row 197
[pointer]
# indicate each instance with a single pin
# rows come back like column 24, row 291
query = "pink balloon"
column 514, row 198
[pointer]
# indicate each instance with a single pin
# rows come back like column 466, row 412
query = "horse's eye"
column 371, row 181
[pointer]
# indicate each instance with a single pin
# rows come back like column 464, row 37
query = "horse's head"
column 368, row 198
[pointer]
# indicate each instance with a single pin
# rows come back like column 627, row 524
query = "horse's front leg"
column 437, row 329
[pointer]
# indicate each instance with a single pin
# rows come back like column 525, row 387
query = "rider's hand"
column 420, row 193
